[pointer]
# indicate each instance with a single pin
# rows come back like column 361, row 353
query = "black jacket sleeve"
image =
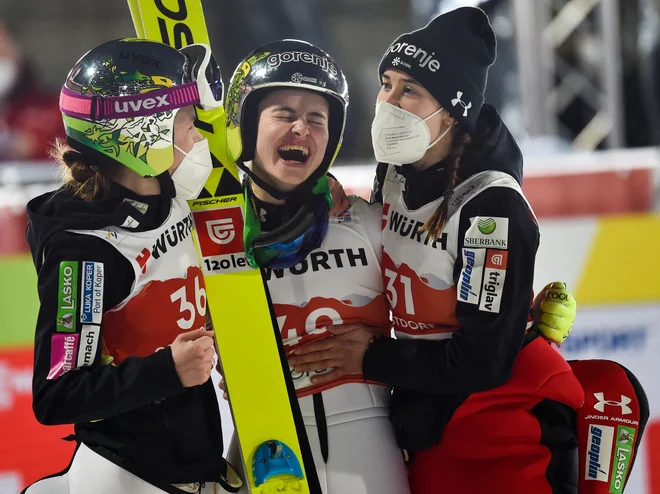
column 480, row 355
column 96, row 391
column 377, row 188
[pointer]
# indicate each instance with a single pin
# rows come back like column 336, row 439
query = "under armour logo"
column 600, row 406
column 458, row 101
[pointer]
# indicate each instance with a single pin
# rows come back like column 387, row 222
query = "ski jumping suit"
column 480, row 408
column 346, row 421
column 118, row 281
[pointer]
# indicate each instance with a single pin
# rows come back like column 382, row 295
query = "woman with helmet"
column 121, row 346
column 480, row 405
column 286, row 110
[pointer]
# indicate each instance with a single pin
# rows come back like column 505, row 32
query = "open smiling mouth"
column 294, row 153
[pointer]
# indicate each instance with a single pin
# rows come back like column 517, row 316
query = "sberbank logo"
column 487, row 226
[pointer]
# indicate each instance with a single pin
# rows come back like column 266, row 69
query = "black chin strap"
column 300, row 193
column 272, row 191
column 166, row 184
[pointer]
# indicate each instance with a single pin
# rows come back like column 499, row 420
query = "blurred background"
column 577, row 82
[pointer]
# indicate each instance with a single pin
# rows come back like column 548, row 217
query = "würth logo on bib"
column 220, row 236
column 487, row 232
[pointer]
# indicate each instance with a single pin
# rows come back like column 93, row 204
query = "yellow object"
column 245, row 330
column 555, row 310
column 615, row 272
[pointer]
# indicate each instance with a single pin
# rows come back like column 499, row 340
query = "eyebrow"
column 404, row 79
column 290, row 110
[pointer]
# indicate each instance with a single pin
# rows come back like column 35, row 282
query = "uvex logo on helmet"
column 277, row 59
column 423, row 58
column 147, row 104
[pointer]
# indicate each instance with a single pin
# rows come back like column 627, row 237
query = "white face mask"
column 193, row 171
column 400, row 137
column 8, row 76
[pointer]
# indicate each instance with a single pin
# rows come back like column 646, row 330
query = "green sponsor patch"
column 625, row 440
column 487, row 226
column 67, row 297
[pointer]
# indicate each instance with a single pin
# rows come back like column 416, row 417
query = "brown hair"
column 82, row 177
column 437, row 221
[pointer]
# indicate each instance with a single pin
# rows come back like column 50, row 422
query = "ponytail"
column 80, row 176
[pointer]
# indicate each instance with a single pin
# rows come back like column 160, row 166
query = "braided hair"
column 436, row 222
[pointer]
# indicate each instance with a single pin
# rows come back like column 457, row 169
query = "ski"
column 262, row 398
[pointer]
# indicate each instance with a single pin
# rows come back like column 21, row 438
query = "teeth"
column 295, row 147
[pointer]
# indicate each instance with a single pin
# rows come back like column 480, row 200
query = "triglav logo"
column 625, row 401
column 497, row 259
column 221, row 231
column 459, row 101
column 422, row 56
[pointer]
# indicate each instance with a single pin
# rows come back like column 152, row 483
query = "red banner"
column 29, row 450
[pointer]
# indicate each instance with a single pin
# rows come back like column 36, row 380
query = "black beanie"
column 450, row 57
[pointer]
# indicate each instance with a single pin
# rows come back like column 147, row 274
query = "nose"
column 300, row 128
column 391, row 97
column 197, row 136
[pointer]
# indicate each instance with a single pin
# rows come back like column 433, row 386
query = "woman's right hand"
column 193, row 353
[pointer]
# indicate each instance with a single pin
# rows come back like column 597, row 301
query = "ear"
column 448, row 120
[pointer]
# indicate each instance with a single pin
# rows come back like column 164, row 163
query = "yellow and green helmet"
column 120, row 100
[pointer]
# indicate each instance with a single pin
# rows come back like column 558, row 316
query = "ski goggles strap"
column 138, row 105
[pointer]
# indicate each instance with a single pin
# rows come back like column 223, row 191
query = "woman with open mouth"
column 286, row 110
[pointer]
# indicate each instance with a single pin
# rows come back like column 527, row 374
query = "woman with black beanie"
column 479, row 402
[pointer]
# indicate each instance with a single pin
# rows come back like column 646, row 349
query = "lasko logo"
column 221, row 231
column 277, row 59
column 67, row 297
column 623, row 404
column 470, row 278
column 63, row 349
column 220, row 235
column 146, row 103
column 494, row 275
column 599, row 452
column 622, row 454
column 487, row 232
column 423, row 58
column 459, row 101
column 91, row 310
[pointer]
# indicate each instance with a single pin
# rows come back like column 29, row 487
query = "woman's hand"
column 193, row 354
column 340, row 202
column 343, row 351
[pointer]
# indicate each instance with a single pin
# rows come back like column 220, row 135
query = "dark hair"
column 436, row 222
column 80, row 175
